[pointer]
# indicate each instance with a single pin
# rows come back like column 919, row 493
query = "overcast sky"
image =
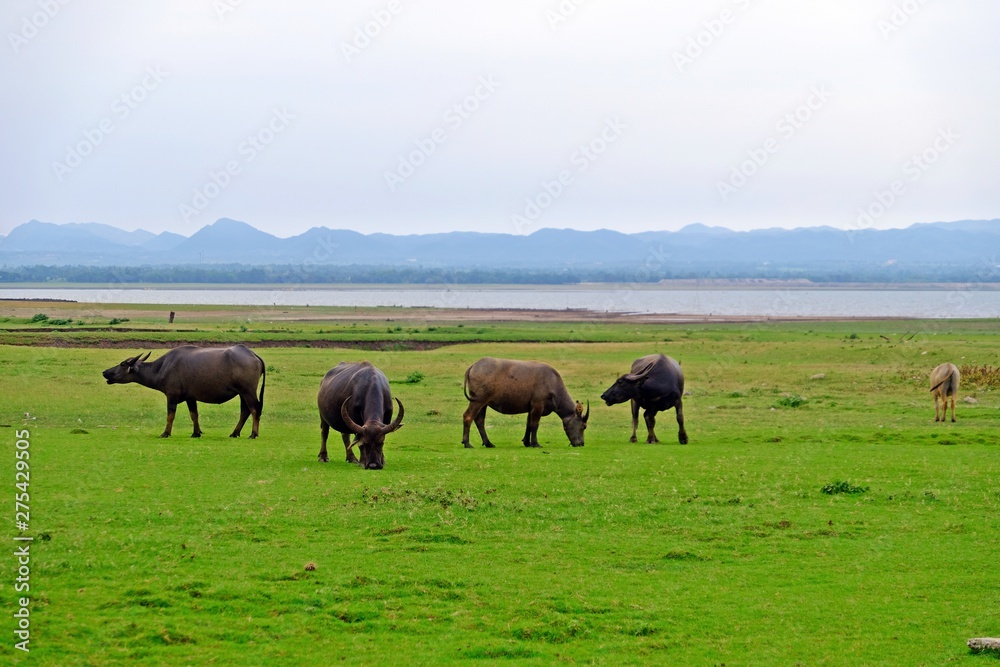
column 412, row 116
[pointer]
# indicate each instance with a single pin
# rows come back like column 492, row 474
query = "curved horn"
column 586, row 415
column 398, row 421
column 634, row 377
column 347, row 418
column 146, row 357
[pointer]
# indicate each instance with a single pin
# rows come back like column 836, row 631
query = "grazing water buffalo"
column 354, row 393
column 944, row 384
column 655, row 384
column 191, row 374
column 515, row 387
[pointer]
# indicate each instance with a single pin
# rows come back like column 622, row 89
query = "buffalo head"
column 125, row 371
column 370, row 437
column 626, row 387
column 576, row 423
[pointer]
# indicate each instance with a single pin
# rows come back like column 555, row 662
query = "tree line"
column 832, row 272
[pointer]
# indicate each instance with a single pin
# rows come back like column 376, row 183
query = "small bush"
column 793, row 401
column 117, row 320
column 416, row 377
column 981, row 377
column 843, row 487
column 40, row 317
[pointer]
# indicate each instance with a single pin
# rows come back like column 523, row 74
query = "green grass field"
column 723, row 551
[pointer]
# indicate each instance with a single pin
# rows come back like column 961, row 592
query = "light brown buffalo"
column 944, row 385
column 514, row 387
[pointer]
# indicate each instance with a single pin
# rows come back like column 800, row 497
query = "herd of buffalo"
column 354, row 397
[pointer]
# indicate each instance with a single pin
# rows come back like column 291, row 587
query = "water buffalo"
column 656, row 383
column 191, row 374
column 515, row 387
column 944, row 384
column 354, row 393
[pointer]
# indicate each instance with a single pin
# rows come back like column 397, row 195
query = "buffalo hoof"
column 683, row 439
column 322, row 459
column 196, row 434
column 235, row 435
column 652, row 441
column 488, row 445
column 467, row 445
column 633, row 439
column 253, row 436
column 164, row 435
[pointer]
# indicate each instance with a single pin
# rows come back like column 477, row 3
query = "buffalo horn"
column 586, row 415
column 398, row 421
column 347, row 418
column 635, row 377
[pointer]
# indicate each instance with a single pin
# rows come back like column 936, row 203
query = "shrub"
column 40, row 317
column 843, row 487
column 793, row 401
column 981, row 377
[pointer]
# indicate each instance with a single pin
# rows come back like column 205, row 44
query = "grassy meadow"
column 819, row 515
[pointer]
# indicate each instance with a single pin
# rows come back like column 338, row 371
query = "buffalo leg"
column 937, row 418
column 531, row 430
column 324, row 433
column 255, row 410
column 682, row 436
column 952, row 408
column 171, row 411
column 650, row 418
column 351, row 458
column 481, row 427
column 244, row 413
column 193, row 411
column 475, row 412
column 635, row 419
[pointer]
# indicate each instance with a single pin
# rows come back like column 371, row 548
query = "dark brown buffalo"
column 191, row 374
column 354, row 399
column 655, row 384
column 514, row 387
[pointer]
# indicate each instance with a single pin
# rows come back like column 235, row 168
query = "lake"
column 957, row 302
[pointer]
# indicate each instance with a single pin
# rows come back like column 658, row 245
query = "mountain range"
column 968, row 243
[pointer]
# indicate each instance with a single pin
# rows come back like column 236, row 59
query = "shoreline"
column 750, row 284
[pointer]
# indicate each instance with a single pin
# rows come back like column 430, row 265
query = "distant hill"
column 971, row 246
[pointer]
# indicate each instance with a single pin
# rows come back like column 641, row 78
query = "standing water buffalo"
column 354, row 393
column 655, row 384
column 515, row 387
column 944, row 384
column 191, row 374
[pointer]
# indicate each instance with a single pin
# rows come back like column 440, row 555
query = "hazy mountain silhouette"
column 969, row 242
